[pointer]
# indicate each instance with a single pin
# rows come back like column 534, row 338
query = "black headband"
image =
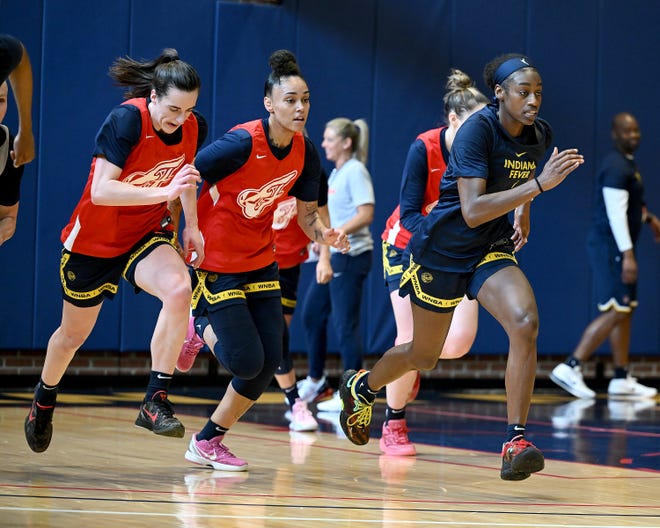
column 508, row 67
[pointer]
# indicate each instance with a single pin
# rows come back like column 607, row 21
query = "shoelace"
column 302, row 412
column 362, row 416
column 399, row 434
column 220, row 449
column 165, row 407
column 191, row 347
column 518, row 445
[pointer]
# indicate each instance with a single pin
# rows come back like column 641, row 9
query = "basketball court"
column 602, row 467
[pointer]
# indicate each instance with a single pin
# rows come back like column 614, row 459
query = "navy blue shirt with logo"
column 482, row 149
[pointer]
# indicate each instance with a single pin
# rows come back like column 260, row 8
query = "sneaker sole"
column 570, row 389
column 303, row 428
column 513, row 475
column 196, row 459
column 629, row 397
column 177, row 431
column 399, row 450
column 528, row 462
column 36, row 446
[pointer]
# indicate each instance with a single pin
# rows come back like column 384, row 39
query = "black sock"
column 291, row 394
column 211, row 430
column 159, row 382
column 394, row 414
column 45, row 395
column 513, row 430
column 572, row 361
column 362, row 388
column 620, row 372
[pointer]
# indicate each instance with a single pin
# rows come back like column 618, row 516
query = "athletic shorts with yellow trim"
column 393, row 264
column 289, row 278
column 441, row 291
column 86, row 281
column 213, row 290
column 608, row 290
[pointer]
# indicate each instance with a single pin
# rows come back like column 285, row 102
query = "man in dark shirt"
column 619, row 213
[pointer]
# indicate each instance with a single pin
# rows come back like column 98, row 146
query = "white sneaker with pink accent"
column 215, row 454
column 302, row 418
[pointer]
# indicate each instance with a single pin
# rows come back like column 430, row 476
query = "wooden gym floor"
column 602, row 467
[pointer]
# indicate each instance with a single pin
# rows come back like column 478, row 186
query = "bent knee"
column 245, row 370
column 180, row 294
column 422, row 358
column 526, row 325
column 69, row 341
column 454, row 352
column 457, row 344
column 244, row 361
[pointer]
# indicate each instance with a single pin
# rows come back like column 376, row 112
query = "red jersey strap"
column 394, row 233
column 436, row 166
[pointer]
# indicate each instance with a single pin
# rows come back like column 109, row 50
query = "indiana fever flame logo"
column 159, row 175
column 253, row 202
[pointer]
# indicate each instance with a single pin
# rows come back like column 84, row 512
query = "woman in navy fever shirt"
column 466, row 245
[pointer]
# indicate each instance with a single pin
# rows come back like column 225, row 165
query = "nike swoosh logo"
column 160, row 376
column 521, row 154
column 149, row 137
column 261, row 156
column 435, row 170
column 516, row 428
column 152, row 416
column 33, row 415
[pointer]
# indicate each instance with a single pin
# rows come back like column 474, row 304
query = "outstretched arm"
column 479, row 207
column 20, row 81
column 311, row 223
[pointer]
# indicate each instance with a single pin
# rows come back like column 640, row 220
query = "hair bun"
column 169, row 55
column 283, row 63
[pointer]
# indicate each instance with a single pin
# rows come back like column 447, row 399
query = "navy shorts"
column 393, row 261
column 608, row 289
column 441, row 291
column 289, row 278
column 212, row 290
column 86, row 281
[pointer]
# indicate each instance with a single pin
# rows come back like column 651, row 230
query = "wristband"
column 538, row 183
